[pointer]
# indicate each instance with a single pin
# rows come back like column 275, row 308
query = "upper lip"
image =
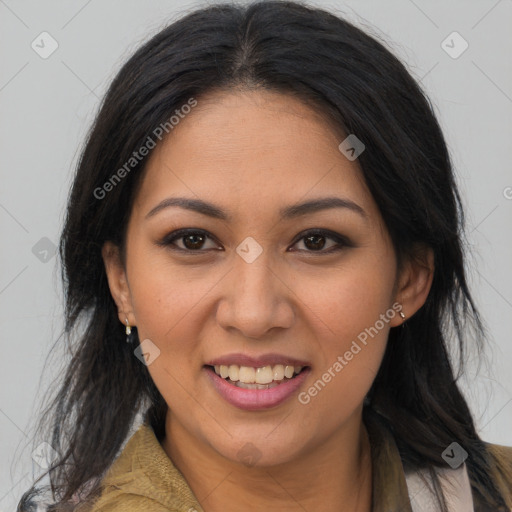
column 256, row 361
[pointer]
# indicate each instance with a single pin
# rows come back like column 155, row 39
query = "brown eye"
column 317, row 240
column 314, row 242
column 191, row 240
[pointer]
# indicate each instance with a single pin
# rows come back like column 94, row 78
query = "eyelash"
column 341, row 241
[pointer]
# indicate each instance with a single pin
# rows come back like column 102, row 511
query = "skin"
column 252, row 153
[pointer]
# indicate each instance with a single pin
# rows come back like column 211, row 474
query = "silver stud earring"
column 402, row 315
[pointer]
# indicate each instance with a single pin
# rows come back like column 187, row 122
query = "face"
column 259, row 279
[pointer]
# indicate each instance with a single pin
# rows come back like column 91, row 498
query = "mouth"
column 265, row 377
column 258, row 387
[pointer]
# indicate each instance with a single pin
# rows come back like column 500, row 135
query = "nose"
column 256, row 299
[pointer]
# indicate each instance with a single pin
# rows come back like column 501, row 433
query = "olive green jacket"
column 143, row 478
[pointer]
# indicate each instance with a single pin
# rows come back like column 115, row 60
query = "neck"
column 333, row 475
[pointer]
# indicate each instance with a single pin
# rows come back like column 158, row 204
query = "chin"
column 257, row 452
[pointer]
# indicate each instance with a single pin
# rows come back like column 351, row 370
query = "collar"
column 389, row 486
column 145, row 476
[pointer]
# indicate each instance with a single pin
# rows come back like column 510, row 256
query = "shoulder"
column 502, row 462
column 143, row 477
column 127, row 503
column 502, row 456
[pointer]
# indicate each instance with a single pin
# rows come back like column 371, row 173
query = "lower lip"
column 256, row 399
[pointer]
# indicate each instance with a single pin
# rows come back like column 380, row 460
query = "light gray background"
column 47, row 105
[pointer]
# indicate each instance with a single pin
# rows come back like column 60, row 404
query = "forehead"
column 251, row 149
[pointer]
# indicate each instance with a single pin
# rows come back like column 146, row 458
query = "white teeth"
column 278, row 372
column 264, row 376
column 246, row 374
column 233, row 372
column 288, row 371
column 255, row 386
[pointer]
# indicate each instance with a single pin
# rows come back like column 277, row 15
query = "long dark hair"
column 360, row 87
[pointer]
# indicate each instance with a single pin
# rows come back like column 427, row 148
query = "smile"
column 253, row 389
column 265, row 377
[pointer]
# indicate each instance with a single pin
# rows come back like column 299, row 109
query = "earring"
column 129, row 333
column 402, row 315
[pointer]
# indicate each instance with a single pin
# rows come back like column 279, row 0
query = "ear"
column 414, row 282
column 118, row 283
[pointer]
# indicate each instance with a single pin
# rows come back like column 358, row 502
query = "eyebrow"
column 289, row 212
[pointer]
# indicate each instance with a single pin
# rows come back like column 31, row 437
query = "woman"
column 263, row 258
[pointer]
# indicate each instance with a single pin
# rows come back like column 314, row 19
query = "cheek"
column 349, row 299
column 351, row 349
column 167, row 304
column 165, row 296
column 351, row 314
